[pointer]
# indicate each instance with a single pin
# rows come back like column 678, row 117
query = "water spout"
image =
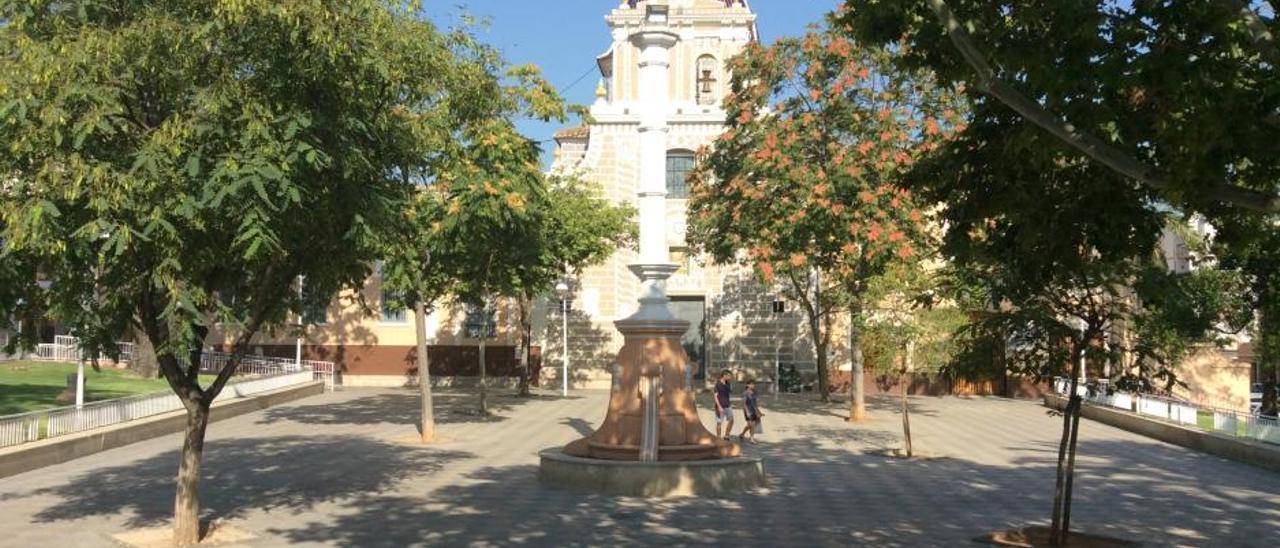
column 650, row 393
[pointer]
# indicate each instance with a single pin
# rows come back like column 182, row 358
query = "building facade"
column 733, row 323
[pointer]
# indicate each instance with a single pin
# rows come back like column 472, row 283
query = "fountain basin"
column 661, row 479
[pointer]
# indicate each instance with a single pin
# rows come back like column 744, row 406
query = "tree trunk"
column 143, row 362
column 186, row 509
column 906, row 418
column 1057, row 530
column 424, row 375
column 484, row 394
column 526, row 340
column 820, row 351
column 1071, row 471
column 1267, row 357
column 857, row 397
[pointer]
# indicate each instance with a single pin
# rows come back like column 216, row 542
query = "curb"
column 38, row 454
column 1256, row 453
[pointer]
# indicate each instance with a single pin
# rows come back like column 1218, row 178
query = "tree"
column 490, row 207
column 410, row 272
column 489, row 168
column 577, row 229
column 802, row 183
column 1254, row 250
column 910, row 329
column 1178, row 96
column 172, row 166
column 1059, row 250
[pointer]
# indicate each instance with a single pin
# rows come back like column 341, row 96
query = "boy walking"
column 751, row 408
column 724, row 412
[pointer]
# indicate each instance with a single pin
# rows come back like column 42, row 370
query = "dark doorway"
column 693, row 309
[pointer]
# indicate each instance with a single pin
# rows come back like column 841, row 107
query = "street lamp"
column 562, row 291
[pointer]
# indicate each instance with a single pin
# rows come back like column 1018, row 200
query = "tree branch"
column 1091, row 146
column 238, row 352
column 269, row 286
column 1263, row 39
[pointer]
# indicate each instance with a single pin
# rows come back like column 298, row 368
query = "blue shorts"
column 724, row 415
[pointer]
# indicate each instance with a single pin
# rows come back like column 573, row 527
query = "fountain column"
column 652, row 414
column 654, row 266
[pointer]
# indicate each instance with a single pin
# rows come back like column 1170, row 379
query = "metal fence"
column 213, row 362
column 50, row 423
column 1213, row 419
column 66, row 348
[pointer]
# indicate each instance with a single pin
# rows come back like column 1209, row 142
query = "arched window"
column 679, row 164
column 705, row 80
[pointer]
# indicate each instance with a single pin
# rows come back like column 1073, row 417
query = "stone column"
column 654, row 266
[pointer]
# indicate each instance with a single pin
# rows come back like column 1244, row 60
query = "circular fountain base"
column 650, row 479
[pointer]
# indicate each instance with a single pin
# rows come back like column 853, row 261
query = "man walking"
column 724, row 412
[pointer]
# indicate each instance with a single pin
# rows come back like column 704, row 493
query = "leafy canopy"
column 820, row 133
column 1181, row 96
column 175, row 164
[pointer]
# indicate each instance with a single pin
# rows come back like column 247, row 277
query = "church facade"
column 734, row 323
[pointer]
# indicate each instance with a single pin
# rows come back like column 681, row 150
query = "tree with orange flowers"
column 803, row 184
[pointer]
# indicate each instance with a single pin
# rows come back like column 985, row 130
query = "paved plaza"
column 336, row 470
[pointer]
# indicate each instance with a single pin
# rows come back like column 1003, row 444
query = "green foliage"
column 1181, row 311
column 171, row 165
column 926, row 335
column 1183, row 90
column 580, row 229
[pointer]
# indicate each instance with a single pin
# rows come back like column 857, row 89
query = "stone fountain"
column 652, row 442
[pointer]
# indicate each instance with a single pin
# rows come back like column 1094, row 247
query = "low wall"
column 1247, row 451
column 30, row 456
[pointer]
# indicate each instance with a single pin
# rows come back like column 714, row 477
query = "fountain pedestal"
column 652, row 442
column 652, row 348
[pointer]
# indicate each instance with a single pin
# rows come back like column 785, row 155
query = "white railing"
column 65, row 348
column 213, row 362
column 50, row 423
column 1223, row 421
column 1263, row 428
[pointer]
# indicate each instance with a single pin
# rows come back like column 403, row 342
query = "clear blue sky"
column 563, row 37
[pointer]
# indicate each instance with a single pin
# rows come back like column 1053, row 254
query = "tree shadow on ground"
column 20, row 398
column 819, row 494
column 400, row 407
column 244, row 474
column 579, row 425
column 809, row 404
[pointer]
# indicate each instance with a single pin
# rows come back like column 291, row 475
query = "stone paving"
column 336, row 470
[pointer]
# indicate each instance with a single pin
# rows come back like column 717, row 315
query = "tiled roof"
column 580, row 132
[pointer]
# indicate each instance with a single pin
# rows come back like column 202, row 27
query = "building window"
column 679, row 164
column 393, row 311
column 705, row 80
column 315, row 307
column 481, row 322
